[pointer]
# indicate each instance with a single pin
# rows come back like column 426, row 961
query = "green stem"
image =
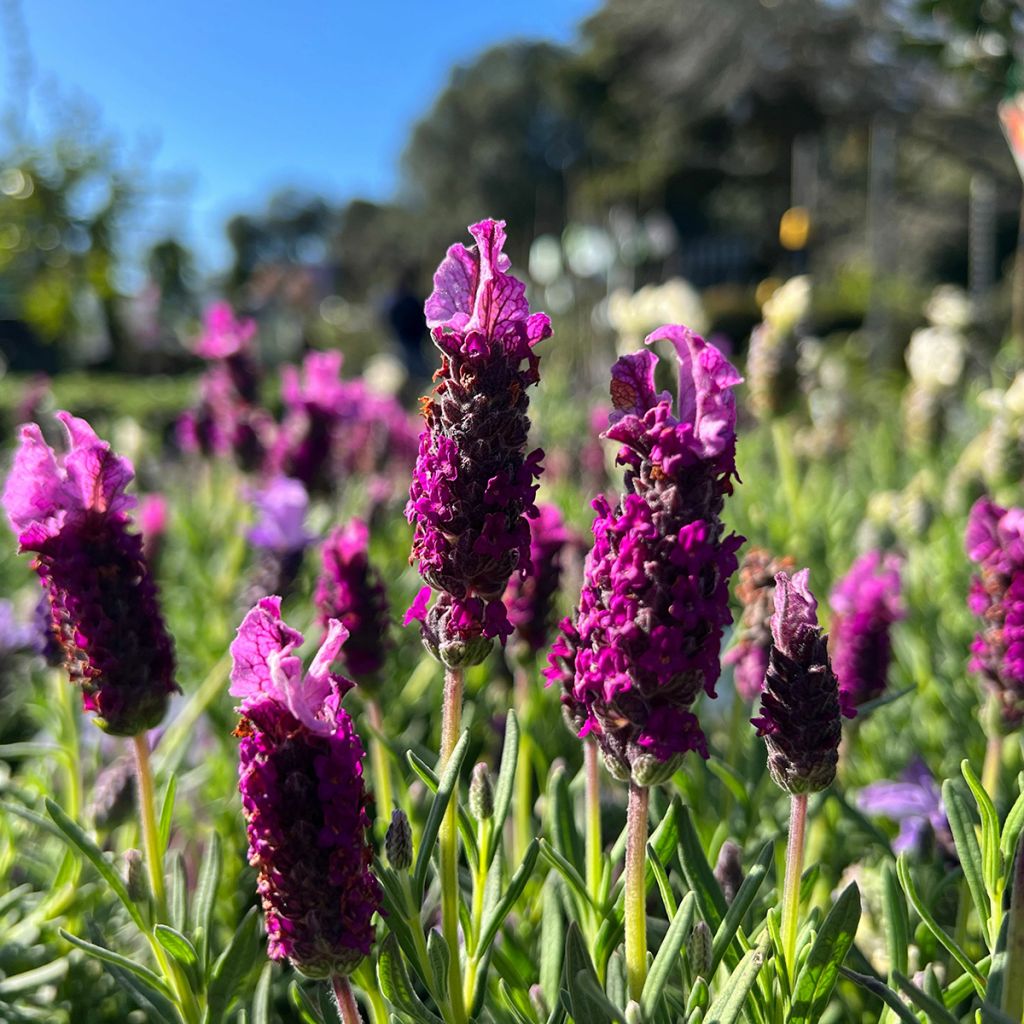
column 69, row 739
column 348, row 1011
column 794, row 872
column 636, row 890
column 379, row 761
column 150, row 833
column 187, row 1003
column 1013, row 977
column 592, row 800
column 451, row 721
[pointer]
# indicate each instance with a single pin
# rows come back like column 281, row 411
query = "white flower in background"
column 384, row 374
column 949, row 307
column 1013, row 399
column 788, row 304
column 935, row 357
column 634, row 315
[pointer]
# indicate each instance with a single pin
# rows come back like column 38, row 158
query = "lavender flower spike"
column 655, row 598
column 800, row 718
column 279, row 537
column 995, row 543
column 305, row 803
column 72, row 511
column 865, row 604
column 473, row 487
column 351, row 589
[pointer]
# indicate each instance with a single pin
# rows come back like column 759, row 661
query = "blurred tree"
column 498, row 141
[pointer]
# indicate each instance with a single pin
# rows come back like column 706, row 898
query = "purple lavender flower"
column 800, row 718
column 72, row 511
column 279, row 537
column 473, row 489
column 228, row 340
column 995, row 543
column 530, row 599
column 351, row 590
column 655, row 598
column 153, row 524
column 865, row 604
column 561, row 672
column 304, row 798
column 916, row 803
column 756, row 592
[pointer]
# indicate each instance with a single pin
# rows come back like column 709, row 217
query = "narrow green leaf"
column 178, row 895
column 28, row 980
column 552, row 940
column 667, row 958
column 897, row 920
column 668, row 897
column 505, row 785
column 817, row 977
column 961, row 824
column 73, row 833
column 144, row 974
column 731, row 779
column 310, row 1014
column 577, row 963
column 593, row 1006
column 206, row 894
column 518, row 1016
column 936, row 1012
column 447, row 786
column 742, row 902
column 993, row 868
column 396, row 986
column 467, row 827
column 567, row 871
column 233, row 966
column 512, row 891
column 167, row 811
column 883, row 992
column 565, row 836
column 440, row 960
column 177, row 945
column 907, row 882
column 699, row 876
column 729, row 1003
column 1012, row 827
column 261, row 997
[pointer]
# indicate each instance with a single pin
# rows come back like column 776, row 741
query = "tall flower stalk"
column 654, row 602
column 801, row 723
column 473, row 488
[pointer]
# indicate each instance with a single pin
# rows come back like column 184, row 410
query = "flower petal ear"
column 263, row 635
column 796, row 613
column 36, row 488
column 96, row 476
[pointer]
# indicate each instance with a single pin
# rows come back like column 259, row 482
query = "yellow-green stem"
column 150, row 833
column 379, row 760
column 992, row 768
column 794, row 871
column 345, row 998
column 592, row 800
column 451, row 723
column 636, row 890
column 69, row 723
column 1013, row 983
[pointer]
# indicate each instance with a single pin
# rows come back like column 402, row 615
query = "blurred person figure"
column 404, row 311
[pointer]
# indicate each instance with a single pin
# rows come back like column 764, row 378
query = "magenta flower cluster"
column 800, row 717
column 351, row 590
column 530, row 599
column 227, row 420
column 474, row 487
column 71, row 510
column 865, row 604
column 334, row 429
column 305, row 802
column 655, row 598
column 995, row 543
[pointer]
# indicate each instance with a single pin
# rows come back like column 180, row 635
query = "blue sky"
column 239, row 98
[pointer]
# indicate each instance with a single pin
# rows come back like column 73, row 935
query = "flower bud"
column 398, row 841
column 481, row 793
column 729, row 870
column 699, row 950
column 135, row 876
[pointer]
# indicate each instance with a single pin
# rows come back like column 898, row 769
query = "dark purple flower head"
column 530, row 599
column 72, row 511
column 473, row 487
column 756, row 592
column 916, row 803
column 865, row 604
column 351, row 590
column 303, row 795
column 223, row 335
column 995, row 543
column 655, row 599
column 800, row 717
